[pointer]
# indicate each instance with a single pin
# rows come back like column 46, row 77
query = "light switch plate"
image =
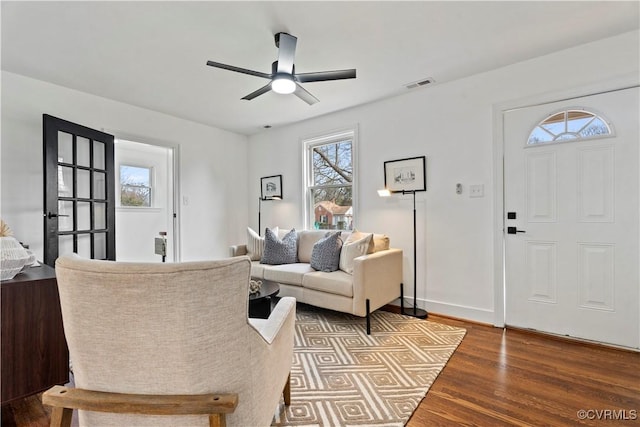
column 476, row 190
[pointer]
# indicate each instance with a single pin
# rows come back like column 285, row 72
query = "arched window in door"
column 567, row 125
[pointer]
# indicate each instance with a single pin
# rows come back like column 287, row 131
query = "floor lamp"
column 260, row 199
column 410, row 311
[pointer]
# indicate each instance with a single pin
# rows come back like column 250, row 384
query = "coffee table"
column 260, row 302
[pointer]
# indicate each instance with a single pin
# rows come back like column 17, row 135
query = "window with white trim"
column 567, row 125
column 135, row 186
column 329, row 181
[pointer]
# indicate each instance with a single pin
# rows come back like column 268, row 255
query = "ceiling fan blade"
column 262, row 90
column 301, row 93
column 326, row 75
column 238, row 69
column 286, row 52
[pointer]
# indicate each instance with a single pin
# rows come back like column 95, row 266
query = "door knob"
column 53, row 215
column 514, row 230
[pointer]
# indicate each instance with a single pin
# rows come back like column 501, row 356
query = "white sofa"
column 375, row 282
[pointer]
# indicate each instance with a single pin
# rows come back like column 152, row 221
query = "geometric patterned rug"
column 343, row 377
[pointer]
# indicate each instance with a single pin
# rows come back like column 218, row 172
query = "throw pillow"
column 325, row 255
column 359, row 235
column 352, row 250
column 255, row 244
column 278, row 251
column 380, row 242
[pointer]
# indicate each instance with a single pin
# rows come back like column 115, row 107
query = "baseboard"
column 462, row 312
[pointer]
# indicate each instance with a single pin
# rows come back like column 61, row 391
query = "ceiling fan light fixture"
column 283, row 77
column 283, row 84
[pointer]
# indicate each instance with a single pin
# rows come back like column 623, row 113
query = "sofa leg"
column 368, row 318
column 401, row 298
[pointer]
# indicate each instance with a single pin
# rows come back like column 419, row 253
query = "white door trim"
column 177, row 240
column 619, row 83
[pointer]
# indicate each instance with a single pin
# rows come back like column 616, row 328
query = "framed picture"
column 271, row 187
column 406, row 175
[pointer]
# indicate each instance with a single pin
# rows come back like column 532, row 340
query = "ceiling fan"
column 283, row 76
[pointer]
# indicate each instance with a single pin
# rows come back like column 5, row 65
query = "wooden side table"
column 34, row 352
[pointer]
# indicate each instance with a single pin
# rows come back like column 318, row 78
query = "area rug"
column 343, row 377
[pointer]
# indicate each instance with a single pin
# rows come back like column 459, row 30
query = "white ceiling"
column 153, row 54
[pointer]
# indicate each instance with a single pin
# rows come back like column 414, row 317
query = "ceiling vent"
column 419, row 83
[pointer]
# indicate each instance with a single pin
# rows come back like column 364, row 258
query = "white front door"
column 572, row 266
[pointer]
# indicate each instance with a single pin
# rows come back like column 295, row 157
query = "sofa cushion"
column 352, row 250
column 306, row 240
column 255, row 244
column 257, row 270
column 278, row 251
column 325, row 255
column 291, row 274
column 338, row 282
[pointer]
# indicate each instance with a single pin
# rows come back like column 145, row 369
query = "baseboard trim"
column 461, row 312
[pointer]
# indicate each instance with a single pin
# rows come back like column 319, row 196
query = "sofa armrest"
column 376, row 277
column 237, row 250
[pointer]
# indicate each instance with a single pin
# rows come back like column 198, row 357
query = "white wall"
column 210, row 159
column 452, row 124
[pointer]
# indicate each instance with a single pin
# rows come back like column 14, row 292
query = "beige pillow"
column 255, row 244
column 359, row 235
column 352, row 250
column 380, row 242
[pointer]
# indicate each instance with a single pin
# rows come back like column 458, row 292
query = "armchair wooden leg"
column 287, row 391
column 61, row 417
column 217, row 420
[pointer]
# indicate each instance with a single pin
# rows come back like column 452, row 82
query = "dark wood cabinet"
column 34, row 350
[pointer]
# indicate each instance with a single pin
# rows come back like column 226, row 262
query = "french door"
column 79, row 199
column 572, row 222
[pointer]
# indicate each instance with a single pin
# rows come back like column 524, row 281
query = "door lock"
column 514, row 230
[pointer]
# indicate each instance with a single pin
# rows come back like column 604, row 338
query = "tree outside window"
column 135, row 186
column 330, row 185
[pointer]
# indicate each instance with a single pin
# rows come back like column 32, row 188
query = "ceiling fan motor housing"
column 277, row 37
column 274, row 68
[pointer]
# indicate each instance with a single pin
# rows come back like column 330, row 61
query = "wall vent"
column 419, row 83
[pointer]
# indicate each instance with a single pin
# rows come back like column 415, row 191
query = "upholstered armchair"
column 170, row 339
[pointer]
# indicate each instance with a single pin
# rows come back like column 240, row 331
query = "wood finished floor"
column 501, row 378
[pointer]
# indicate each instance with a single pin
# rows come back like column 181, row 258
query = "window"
column 329, row 186
column 569, row 125
column 135, row 186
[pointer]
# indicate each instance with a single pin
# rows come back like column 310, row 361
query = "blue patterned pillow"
column 325, row 255
column 278, row 251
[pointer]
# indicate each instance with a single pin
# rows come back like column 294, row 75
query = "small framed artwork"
column 271, row 187
column 406, row 175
